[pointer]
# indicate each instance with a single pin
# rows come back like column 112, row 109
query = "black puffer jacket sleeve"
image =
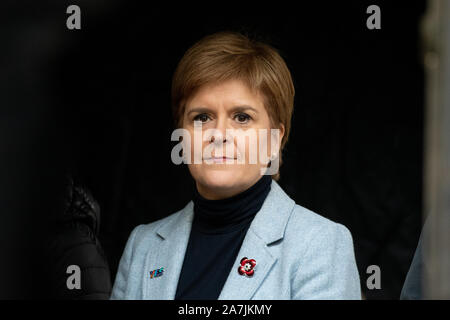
column 74, row 242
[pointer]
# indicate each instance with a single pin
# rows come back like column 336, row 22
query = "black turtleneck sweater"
column 217, row 233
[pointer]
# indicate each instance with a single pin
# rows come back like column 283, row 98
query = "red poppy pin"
column 247, row 267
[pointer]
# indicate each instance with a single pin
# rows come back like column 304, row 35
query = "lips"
column 219, row 159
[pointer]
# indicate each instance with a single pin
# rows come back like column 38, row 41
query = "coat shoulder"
column 323, row 257
column 148, row 231
column 306, row 226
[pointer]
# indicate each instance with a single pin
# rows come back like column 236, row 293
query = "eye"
column 202, row 117
column 242, row 117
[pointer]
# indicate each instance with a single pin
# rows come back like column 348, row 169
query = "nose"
column 220, row 132
column 221, row 140
column 216, row 138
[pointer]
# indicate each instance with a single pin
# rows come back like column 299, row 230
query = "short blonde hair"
column 230, row 55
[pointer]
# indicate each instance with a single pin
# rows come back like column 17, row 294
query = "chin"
column 220, row 178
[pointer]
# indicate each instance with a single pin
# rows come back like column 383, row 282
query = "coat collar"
column 264, row 225
column 267, row 227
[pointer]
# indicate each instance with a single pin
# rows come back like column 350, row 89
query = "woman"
column 242, row 236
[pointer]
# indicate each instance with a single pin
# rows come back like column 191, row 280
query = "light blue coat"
column 299, row 255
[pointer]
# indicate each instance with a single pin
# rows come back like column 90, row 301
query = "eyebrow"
column 235, row 108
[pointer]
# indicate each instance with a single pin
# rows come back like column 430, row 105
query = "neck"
column 231, row 213
column 222, row 193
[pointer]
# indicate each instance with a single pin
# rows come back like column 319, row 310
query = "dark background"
column 95, row 102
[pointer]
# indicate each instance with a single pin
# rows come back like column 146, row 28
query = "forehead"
column 228, row 93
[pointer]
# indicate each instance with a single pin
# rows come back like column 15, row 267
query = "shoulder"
column 322, row 256
column 311, row 223
column 302, row 224
column 144, row 233
column 315, row 231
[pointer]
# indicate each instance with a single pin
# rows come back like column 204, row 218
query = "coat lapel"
column 169, row 254
column 241, row 287
column 267, row 227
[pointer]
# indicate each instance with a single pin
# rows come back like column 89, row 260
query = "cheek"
column 195, row 143
column 252, row 150
column 256, row 149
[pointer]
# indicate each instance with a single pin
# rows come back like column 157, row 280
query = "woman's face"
column 228, row 105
